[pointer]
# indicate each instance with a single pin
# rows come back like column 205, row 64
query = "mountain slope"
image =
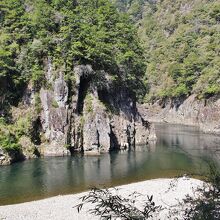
column 69, row 32
column 181, row 40
column 182, row 44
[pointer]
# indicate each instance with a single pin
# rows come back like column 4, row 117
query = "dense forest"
column 181, row 41
column 157, row 49
column 69, row 33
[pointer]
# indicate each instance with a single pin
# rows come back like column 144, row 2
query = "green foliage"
column 9, row 143
column 88, row 103
column 37, row 103
column 12, row 36
column 82, row 121
column 23, row 126
column 207, row 205
column 11, row 133
column 181, row 43
column 8, row 140
column 133, row 7
column 68, row 33
column 55, row 104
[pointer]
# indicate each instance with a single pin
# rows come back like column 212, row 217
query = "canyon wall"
column 90, row 115
column 190, row 111
column 92, row 119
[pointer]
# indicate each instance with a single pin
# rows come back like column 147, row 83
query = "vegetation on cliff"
column 66, row 34
column 12, row 131
column 8, row 140
column 181, row 41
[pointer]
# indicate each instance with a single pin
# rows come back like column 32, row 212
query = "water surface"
column 178, row 150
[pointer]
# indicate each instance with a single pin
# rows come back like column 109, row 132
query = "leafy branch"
column 110, row 205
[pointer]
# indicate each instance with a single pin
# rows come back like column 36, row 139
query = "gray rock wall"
column 54, row 118
column 191, row 111
column 89, row 114
column 93, row 120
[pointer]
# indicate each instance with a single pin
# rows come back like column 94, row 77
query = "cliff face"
column 74, row 109
column 190, row 111
column 90, row 116
column 90, row 119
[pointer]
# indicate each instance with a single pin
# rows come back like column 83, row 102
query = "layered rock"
column 190, row 111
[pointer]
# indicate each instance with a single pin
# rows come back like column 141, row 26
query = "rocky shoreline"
column 190, row 111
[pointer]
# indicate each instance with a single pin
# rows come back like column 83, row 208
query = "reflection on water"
column 190, row 140
column 178, row 150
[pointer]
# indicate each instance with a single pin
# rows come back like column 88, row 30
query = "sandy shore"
column 166, row 192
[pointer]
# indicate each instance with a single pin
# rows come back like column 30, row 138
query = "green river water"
column 178, row 150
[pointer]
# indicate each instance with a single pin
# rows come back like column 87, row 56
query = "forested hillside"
column 180, row 39
column 182, row 45
column 134, row 8
column 176, row 54
column 63, row 33
column 69, row 32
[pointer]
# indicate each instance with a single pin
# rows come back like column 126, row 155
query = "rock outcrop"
column 9, row 157
column 54, row 118
column 88, row 114
column 90, row 117
column 190, row 111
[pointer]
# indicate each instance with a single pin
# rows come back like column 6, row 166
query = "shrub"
column 207, row 205
column 37, row 103
column 110, row 205
column 88, row 103
column 9, row 142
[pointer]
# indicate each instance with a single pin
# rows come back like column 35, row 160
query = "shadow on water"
column 178, row 150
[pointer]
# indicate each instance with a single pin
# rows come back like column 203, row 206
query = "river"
column 179, row 150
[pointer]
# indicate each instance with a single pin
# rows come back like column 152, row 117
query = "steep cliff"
column 189, row 111
column 90, row 118
column 70, row 72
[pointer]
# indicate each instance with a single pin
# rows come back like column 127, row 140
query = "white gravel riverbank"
column 166, row 192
